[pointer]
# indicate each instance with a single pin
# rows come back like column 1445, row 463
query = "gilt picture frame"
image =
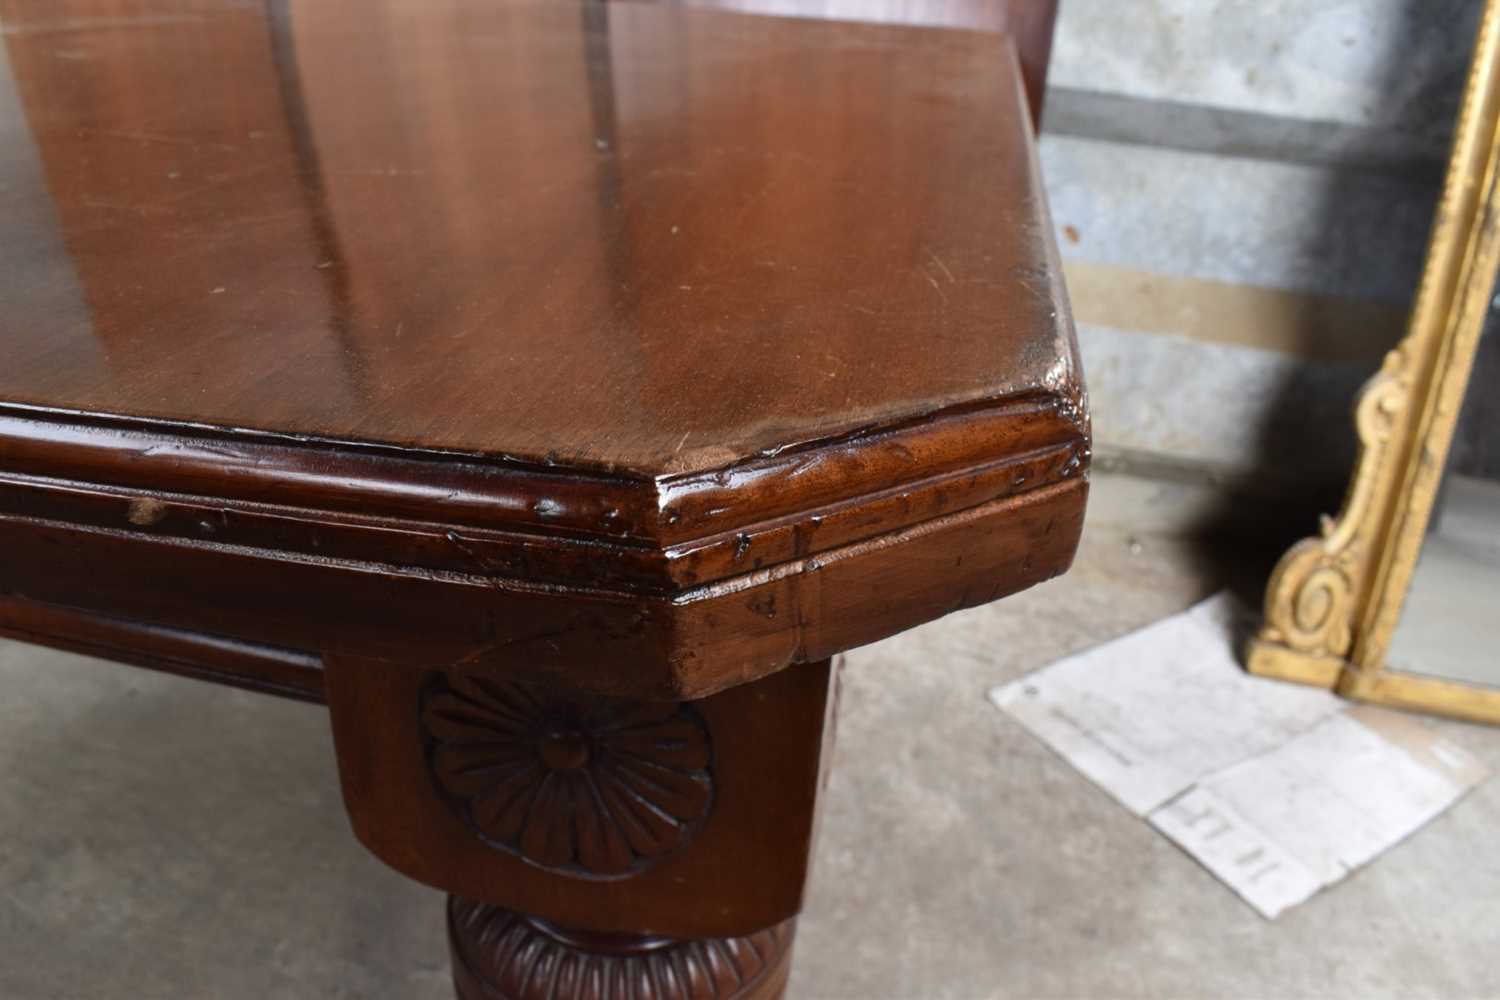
column 1334, row 600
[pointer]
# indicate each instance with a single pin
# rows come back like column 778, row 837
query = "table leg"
column 501, row 955
column 593, row 846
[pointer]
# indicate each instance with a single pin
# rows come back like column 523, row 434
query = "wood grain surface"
column 1027, row 24
column 644, row 349
column 553, row 388
column 609, row 237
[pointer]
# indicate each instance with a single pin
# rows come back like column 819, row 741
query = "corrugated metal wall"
column 1242, row 191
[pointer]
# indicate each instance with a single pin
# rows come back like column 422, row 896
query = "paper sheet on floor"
column 1278, row 789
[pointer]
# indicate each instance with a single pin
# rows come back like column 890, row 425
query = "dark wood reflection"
column 1029, row 23
column 642, row 237
column 177, row 193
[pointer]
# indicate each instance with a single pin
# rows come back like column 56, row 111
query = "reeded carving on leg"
column 500, row 955
column 585, row 786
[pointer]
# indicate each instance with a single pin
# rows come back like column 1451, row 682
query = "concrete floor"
column 165, row 838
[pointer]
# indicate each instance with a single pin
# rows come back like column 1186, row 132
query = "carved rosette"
column 590, row 787
column 500, row 955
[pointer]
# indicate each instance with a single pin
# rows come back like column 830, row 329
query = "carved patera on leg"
column 593, row 847
column 584, row 786
column 501, row 955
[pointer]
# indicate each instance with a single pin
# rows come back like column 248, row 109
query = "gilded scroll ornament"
column 1310, row 600
column 1334, row 601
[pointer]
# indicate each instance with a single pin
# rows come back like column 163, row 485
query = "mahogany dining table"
column 553, row 388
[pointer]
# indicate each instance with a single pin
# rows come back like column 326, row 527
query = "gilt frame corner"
column 1334, row 600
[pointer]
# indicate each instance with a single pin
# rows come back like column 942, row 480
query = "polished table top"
column 641, row 349
column 470, row 364
column 618, row 237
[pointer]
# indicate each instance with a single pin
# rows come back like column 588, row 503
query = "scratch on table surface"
column 939, row 262
column 95, row 23
column 935, row 286
column 137, row 135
